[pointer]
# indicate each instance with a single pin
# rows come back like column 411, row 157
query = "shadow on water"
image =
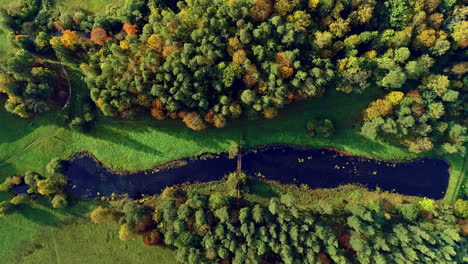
column 315, row 167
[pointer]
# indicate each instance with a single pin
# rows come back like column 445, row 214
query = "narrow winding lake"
column 316, row 167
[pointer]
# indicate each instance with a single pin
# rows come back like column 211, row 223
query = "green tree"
column 408, row 211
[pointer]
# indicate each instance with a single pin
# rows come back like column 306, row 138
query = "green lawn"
column 94, row 6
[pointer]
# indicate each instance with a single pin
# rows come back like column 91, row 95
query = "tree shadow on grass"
column 37, row 215
column 120, row 136
column 122, row 133
column 13, row 127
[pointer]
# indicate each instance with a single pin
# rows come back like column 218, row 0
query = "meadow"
column 143, row 143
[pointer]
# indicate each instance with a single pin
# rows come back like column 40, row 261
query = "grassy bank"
column 143, row 143
column 41, row 235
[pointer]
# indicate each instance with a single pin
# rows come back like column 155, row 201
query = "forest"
column 209, row 62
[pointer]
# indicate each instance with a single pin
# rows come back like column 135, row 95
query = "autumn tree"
column 99, row 36
column 69, row 38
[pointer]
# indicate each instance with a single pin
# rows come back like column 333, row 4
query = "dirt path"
column 64, row 71
column 35, row 142
column 57, row 259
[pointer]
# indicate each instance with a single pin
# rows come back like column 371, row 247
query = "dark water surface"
column 316, row 167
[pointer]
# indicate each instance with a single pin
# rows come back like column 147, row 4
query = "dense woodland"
column 232, row 225
column 228, row 228
column 207, row 62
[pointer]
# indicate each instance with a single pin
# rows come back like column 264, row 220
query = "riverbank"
column 39, row 234
column 145, row 143
column 314, row 167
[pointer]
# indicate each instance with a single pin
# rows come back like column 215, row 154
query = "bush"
column 19, row 199
column 320, row 128
column 460, row 208
column 173, row 192
column 50, row 186
column 152, row 238
column 59, row 201
column 56, row 166
column 103, row 215
column 126, row 233
column 5, row 208
column 78, row 124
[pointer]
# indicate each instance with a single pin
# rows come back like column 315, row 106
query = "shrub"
column 152, row 238
column 173, row 192
column 103, row 215
column 428, row 205
column 126, row 233
column 56, row 166
column 320, row 128
column 59, row 201
column 460, row 208
column 19, row 199
column 194, row 121
column 5, row 208
column 78, row 124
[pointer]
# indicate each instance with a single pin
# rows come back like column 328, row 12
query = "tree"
column 99, row 36
column 69, row 38
column 398, row 13
column 194, row 121
column 437, row 83
column 217, row 201
column 460, row 208
column 394, row 79
column 130, row 29
column 420, row 145
column 370, row 129
column 428, row 205
column 380, row 107
column 261, row 10
column 19, row 199
column 5, row 208
column 56, row 166
column 323, row 39
column 50, row 186
column 460, row 34
column 436, row 110
column 78, row 124
column 31, row 179
column 408, row 211
column 248, row 97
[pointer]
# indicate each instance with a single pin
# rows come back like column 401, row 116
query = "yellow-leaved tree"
column 69, row 38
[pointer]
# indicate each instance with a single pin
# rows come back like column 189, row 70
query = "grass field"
column 37, row 234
